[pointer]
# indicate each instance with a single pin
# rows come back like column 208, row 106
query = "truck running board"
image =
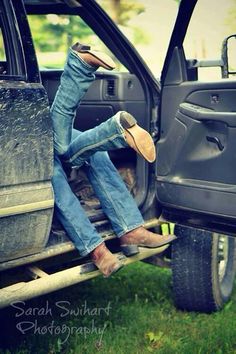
column 44, row 283
column 65, row 247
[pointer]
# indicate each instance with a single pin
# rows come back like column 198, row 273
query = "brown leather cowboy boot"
column 105, row 261
column 93, row 57
column 138, row 138
column 143, row 238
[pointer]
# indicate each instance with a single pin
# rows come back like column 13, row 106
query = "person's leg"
column 116, row 201
column 71, row 214
column 119, row 131
column 106, row 136
column 111, row 191
column 120, row 207
column 75, row 81
column 77, row 77
column 118, row 204
column 63, row 115
column 77, row 225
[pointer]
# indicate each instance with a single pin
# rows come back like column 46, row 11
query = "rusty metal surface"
column 26, row 155
column 26, row 147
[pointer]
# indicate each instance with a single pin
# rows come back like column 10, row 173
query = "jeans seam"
column 111, row 201
column 89, row 147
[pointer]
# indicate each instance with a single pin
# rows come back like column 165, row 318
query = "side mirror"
column 228, row 56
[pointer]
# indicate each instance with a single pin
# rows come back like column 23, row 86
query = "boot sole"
column 142, row 143
column 105, row 61
column 141, row 140
column 115, row 270
column 131, row 250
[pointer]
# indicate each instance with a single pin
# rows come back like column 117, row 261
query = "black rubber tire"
column 199, row 282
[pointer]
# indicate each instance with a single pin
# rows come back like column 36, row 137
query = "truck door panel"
column 196, row 151
column 26, row 148
column 109, row 93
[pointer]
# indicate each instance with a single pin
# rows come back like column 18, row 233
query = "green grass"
column 141, row 319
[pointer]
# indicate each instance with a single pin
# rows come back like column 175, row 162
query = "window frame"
column 12, row 49
column 21, row 60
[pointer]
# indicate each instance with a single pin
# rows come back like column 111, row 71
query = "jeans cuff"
column 90, row 249
column 120, row 128
column 82, row 61
column 130, row 228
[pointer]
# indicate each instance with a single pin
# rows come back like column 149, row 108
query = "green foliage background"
column 53, row 32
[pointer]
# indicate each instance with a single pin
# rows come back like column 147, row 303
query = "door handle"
column 215, row 140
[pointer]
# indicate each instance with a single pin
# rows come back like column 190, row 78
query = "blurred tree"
column 122, row 11
column 56, row 33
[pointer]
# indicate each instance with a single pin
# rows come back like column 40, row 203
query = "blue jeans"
column 88, row 148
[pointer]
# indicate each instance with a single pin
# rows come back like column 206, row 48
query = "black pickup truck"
column 192, row 186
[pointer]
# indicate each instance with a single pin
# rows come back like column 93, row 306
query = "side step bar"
column 63, row 248
column 46, row 283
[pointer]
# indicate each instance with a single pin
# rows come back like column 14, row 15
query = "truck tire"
column 203, row 265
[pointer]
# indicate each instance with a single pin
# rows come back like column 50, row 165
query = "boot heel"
column 129, row 250
column 127, row 120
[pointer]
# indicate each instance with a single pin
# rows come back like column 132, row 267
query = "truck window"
column 209, row 25
column 3, row 67
column 3, row 61
column 53, row 34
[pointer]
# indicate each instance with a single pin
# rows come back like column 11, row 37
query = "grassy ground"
column 130, row 313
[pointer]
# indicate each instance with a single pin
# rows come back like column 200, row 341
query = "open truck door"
column 196, row 175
